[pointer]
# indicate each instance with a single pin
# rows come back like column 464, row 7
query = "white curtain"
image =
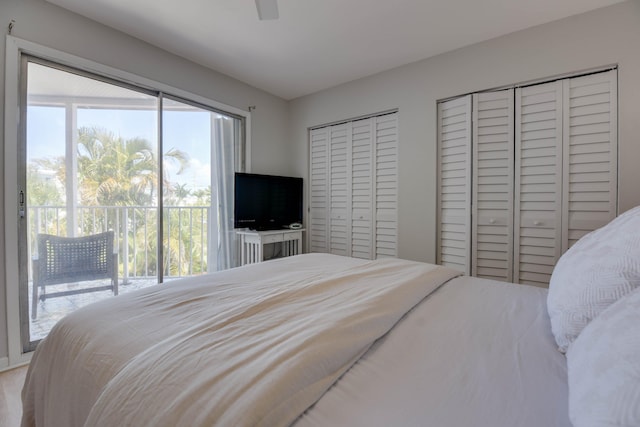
column 228, row 157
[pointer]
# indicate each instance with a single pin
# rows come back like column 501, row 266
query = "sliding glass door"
column 90, row 166
column 199, row 161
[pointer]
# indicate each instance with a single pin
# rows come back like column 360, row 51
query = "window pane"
column 201, row 154
column 187, row 141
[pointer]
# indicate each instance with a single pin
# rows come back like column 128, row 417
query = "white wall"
column 602, row 37
column 51, row 26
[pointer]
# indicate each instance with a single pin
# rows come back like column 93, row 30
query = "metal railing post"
column 125, row 246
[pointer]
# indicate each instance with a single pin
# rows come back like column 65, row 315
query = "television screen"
column 267, row 202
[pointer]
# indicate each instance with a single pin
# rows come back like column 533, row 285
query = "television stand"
column 252, row 243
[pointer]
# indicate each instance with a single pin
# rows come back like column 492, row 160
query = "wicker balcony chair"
column 70, row 260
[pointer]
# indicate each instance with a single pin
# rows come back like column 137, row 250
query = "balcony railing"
column 185, row 233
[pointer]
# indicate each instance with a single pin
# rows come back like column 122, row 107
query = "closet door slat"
column 538, row 180
column 493, row 164
column 454, row 184
column 340, row 189
column 386, row 185
column 319, row 190
column 362, row 188
column 590, row 154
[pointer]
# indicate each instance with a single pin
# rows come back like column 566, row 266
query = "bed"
column 325, row 340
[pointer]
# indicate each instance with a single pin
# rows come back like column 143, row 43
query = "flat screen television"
column 266, row 202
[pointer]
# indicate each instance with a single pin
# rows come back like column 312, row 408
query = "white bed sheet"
column 474, row 353
column 252, row 346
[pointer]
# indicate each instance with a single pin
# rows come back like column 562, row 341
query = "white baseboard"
column 22, row 361
column 4, row 363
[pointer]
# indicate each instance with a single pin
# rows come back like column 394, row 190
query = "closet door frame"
column 533, row 257
column 332, row 216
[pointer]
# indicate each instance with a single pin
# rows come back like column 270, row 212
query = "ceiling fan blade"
column 267, row 9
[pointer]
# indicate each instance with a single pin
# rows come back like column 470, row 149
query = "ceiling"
column 317, row 44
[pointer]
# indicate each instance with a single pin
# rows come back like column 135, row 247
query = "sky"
column 188, row 131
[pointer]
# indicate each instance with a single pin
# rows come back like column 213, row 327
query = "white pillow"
column 595, row 272
column 604, row 368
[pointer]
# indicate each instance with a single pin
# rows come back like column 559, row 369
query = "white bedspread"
column 476, row 353
column 250, row 346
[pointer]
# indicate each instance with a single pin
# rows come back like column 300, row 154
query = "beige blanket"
column 256, row 345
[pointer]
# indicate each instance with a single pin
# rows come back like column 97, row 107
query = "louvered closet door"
column 362, row 194
column 590, row 154
column 454, row 184
column 538, row 195
column 319, row 190
column 339, row 189
column 354, row 188
column 493, row 162
column 386, row 185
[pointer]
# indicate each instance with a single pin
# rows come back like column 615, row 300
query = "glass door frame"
column 15, row 132
column 24, row 257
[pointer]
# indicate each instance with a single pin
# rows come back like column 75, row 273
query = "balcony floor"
column 54, row 309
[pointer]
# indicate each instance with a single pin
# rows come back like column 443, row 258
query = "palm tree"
column 181, row 192
column 203, row 196
column 123, row 173
column 113, row 171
